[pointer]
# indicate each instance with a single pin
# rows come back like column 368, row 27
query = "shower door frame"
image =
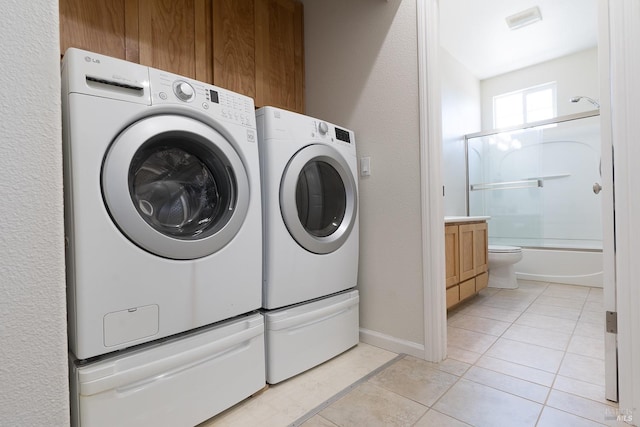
column 531, row 125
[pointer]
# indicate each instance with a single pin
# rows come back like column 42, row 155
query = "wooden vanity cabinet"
column 466, row 258
column 253, row 47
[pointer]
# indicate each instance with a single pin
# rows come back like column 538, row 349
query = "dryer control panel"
column 220, row 103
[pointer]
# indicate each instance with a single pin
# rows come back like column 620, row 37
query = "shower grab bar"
column 507, row 185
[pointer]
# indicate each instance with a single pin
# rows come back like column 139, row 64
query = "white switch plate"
column 365, row 166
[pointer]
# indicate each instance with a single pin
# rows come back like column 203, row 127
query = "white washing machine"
column 162, row 203
column 310, row 207
column 310, row 220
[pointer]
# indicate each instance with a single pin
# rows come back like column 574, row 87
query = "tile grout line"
column 472, row 365
column 513, row 322
column 345, row 391
column 555, row 374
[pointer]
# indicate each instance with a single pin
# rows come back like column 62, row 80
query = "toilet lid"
column 504, row 249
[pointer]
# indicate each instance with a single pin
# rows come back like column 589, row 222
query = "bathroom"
column 558, row 218
column 538, row 178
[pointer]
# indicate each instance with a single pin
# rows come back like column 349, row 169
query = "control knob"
column 184, row 91
column 323, row 128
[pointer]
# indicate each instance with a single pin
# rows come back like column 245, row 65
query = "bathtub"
column 561, row 266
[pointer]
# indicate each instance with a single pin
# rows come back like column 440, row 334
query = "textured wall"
column 33, row 342
column 460, row 116
column 362, row 72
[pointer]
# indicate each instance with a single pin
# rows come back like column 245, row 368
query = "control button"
column 205, row 105
column 323, row 128
column 183, row 90
column 162, row 95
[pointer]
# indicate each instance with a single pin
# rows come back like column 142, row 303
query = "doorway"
column 429, row 31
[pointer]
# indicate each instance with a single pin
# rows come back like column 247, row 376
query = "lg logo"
column 90, row 59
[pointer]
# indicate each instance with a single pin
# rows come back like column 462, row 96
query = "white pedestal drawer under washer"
column 310, row 201
column 162, row 203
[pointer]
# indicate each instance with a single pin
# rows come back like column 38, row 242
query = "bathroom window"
column 524, row 106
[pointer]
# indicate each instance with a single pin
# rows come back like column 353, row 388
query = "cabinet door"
column 94, row 26
column 176, row 36
column 452, row 260
column 234, row 46
column 481, row 247
column 467, row 251
column 279, row 54
column 473, row 249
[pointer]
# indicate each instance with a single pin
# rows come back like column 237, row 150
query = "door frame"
column 606, row 177
column 624, row 91
column 431, row 189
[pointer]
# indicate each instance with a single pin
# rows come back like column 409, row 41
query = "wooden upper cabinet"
column 253, row 47
column 258, row 50
column 175, row 36
column 280, row 54
column 234, row 46
column 97, row 27
column 171, row 35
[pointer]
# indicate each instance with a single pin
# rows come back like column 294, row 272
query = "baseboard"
column 387, row 342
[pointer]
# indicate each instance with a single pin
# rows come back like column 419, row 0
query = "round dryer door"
column 318, row 199
column 175, row 187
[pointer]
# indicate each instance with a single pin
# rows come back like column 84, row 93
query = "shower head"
column 591, row 100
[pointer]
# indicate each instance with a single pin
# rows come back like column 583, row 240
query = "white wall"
column 575, row 74
column 362, row 72
column 460, row 116
column 33, row 341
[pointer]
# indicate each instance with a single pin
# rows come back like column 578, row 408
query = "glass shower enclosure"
column 539, row 183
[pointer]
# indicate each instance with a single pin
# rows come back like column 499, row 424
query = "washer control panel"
column 223, row 104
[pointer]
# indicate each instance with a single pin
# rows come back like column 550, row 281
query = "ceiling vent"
column 524, row 18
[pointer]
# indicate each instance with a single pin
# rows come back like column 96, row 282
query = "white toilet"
column 501, row 261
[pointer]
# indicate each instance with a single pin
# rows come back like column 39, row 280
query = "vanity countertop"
column 451, row 219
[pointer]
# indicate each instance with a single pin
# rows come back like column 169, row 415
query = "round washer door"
column 318, row 199
column 175, row 187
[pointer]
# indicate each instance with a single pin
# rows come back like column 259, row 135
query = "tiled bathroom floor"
column 532, row 356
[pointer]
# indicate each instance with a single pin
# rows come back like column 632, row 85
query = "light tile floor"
column 533, row 356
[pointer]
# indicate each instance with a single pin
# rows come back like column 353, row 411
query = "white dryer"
column 310, row 207
column 310, row 211
column 162, row 203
